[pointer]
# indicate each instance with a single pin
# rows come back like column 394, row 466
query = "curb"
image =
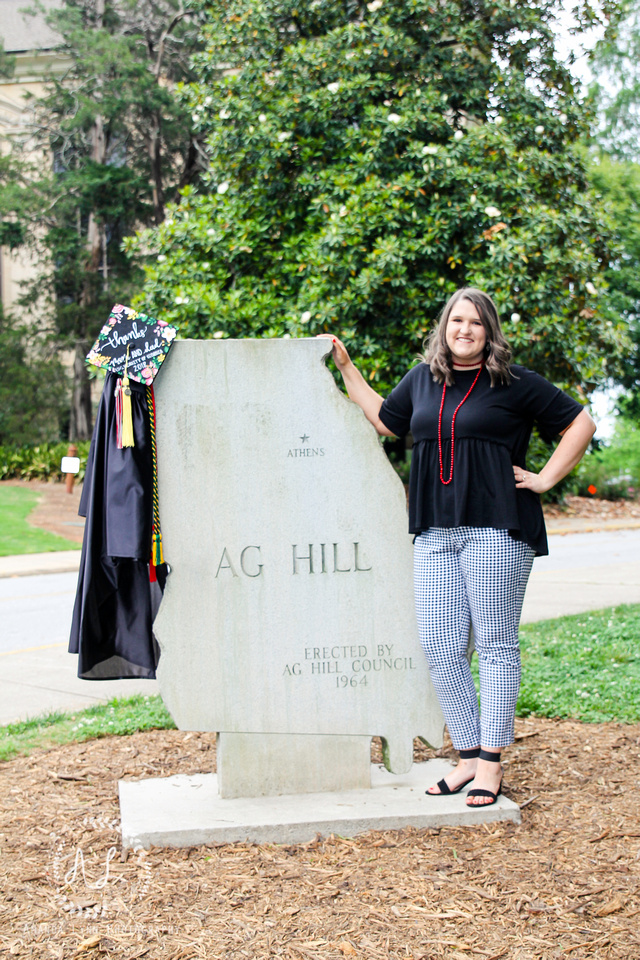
column 34, row 564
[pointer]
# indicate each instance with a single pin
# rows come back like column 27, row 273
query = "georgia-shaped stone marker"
column 287, row 624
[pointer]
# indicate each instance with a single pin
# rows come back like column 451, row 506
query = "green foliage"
column 39, row 462
column 119, row 717
column 365, row 160
column 33, row 387
column 585, row 666
column 619, row 185
column 17, row 536
column 616, row 66
column 613, row 469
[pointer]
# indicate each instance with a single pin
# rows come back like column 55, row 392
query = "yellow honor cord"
column 127, row 419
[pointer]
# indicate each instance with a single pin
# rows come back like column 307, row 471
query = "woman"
column 476, row 515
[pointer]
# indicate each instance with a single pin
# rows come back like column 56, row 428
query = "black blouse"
column 492, row 433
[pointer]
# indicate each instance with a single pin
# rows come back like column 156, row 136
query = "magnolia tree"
column 366, row 160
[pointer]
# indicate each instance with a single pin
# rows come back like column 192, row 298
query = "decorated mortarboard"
column 132, row 344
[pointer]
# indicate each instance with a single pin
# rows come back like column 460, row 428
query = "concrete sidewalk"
column 33, row 564
column 584, row 572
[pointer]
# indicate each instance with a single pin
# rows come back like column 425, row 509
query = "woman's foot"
column 463, row 774
column 488, row 780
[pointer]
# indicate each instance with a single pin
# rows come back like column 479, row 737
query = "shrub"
column 39, row 462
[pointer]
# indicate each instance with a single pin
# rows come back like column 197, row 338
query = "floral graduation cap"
column 132, row 344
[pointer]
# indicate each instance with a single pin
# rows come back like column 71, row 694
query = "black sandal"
column 493, row 758
column 443, row 786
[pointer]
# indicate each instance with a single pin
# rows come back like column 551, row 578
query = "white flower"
column 343, row 211
column 394, row 118
column 179, row 300
column 262, row 117
column 333, row 87
column 539, row 129
column 224, row 114
column 499, row 120
column 305, row 317
column 374, row 5
column 458, row 135
column 195, row 117
column 205, row 265
column 211, row 232
column 218, row 335
column 562, row 118
column 283, row 135
column 161, row 258
column 472, row 198
column 590, row 288
column 431, row 149
column 286, row 336
column 515, row 317
column 492, row 211
column 223, row 187
column 448, row 162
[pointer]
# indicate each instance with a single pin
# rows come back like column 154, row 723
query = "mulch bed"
column 589, row 508
column 564, row 883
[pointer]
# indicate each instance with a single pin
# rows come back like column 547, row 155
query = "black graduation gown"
column 112, row 618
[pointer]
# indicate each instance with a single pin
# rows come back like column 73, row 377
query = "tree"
column 616, row 175
column 365, row 160
column 121, row 145
column 32, row 386
column 619, row 184
column 615, row 63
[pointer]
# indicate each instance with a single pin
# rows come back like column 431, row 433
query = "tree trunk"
column 155, row 163
column 80, row 422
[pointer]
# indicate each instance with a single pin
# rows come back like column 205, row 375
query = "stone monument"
column 287, row 624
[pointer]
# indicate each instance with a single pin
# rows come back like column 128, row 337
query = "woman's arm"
column 357, row 387
column 569, row 452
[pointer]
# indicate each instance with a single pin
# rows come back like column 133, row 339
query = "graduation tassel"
column 157, row 552
column 127, row 419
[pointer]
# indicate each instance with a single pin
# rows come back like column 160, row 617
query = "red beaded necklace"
column 453, row 420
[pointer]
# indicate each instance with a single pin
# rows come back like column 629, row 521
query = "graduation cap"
column 133, row 346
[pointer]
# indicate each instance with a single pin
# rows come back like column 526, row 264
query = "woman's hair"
column 497, row 351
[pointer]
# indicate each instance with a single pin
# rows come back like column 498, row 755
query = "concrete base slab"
column 184, row 811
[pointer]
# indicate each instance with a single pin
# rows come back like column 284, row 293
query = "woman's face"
column 465, row 334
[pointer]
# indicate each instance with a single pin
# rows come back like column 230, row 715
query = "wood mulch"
column 564, row 883
column 590, row 508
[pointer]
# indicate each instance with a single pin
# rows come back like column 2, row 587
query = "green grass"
column 119, row 717
column 585, row 667
column 16, row 534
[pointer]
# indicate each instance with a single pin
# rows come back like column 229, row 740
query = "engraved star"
column 305, row 438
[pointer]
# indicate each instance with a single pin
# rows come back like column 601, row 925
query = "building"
column 32, row 44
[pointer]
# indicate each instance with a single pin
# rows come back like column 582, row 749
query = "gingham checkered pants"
column 475, row 575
